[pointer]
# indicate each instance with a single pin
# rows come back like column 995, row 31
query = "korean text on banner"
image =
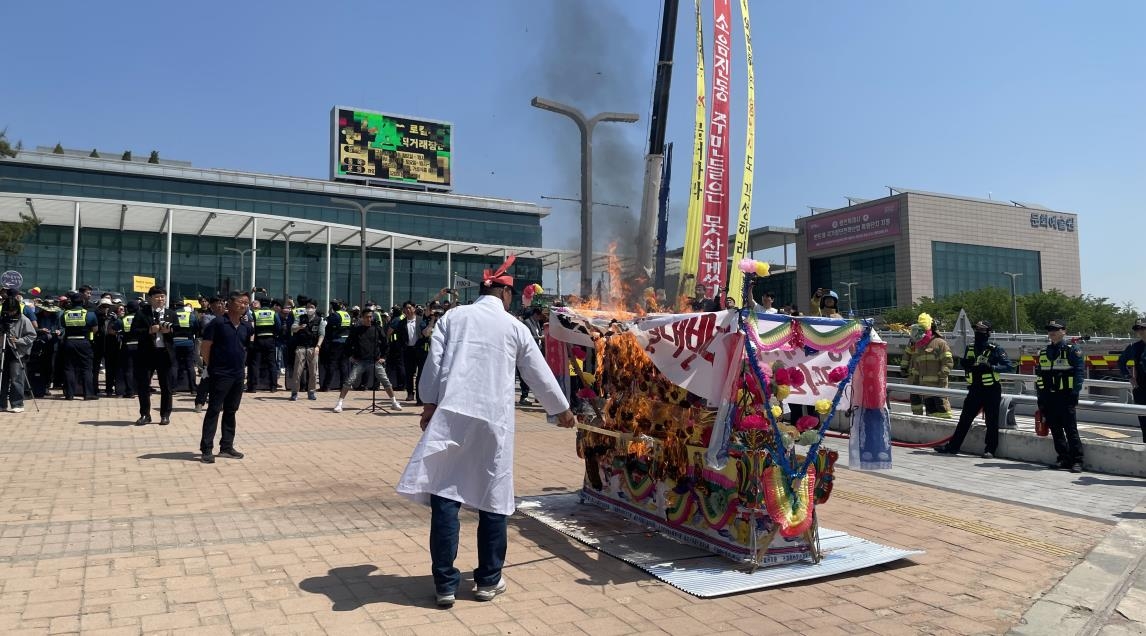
column 714, row 224
column 691, row 350
column 744, row 218
column 689, row 264
column 142, row 283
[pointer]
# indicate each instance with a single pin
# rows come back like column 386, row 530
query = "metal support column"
column 76, row 248
column 327, row 268
column 170, row 239
column 449, row 268
column 254, row 248
column 558, row 276
column 391, row 270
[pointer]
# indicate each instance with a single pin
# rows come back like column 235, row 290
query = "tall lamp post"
column 242, row 264
column 586, row 127
column 286, row 253
column 362, row 210
column 851, row 305
column 1014, row 301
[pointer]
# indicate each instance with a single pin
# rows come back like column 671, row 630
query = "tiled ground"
column 111, row 528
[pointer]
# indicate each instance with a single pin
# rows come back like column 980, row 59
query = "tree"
column 95, row 154
column 58, row 150
column 154, row 158
column 6, row 149
column 126, row 155
column 12, row 234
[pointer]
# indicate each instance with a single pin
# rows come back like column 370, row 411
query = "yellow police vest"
column 988, row 378
column 264, row 322
column 182, row 329
column 76, row 324
column 1055, row 375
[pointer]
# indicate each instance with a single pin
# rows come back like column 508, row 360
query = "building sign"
column 1059, row 222
column 378, row 147
column 855, row 226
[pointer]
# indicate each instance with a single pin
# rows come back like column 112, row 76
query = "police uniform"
column 1059, row 376
column 184, row 331
column 105, row 347
column 337, row 365
column 266, row 322
column 1132, row 363
column 76, row 350
column 983, row 361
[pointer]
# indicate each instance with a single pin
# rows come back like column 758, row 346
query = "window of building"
column 957, row 267
column 872, row 270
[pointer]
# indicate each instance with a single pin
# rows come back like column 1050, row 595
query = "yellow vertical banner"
column 690, row 260
column 744, row 221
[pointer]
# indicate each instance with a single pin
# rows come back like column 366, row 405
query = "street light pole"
column 586, row 127
column 1014, row 301
column 850, row 300
column 242, row 264
column 362, row 210
column 286, row 253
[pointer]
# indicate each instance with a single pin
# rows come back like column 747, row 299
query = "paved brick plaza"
column 109, row 528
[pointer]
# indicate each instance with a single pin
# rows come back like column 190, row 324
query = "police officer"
column 1131, row 363
column 1059, row 374
column 154, row 328
column 983, row 361
column 105, row 347
column 128, row 352
column 267, row 326
column 184, row 333
column 337, row 365
column 76, row 349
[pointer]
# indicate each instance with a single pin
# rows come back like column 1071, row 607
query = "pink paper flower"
column 807, row 423
column 753, row 422
column 586, row 394
column 781, row 376
column 795, row 377
column 747, row 265
column 837, row 374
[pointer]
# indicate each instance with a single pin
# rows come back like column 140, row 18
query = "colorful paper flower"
column 807, row 422
column 587, row 394
column 754, row 422
column 777, row 411
column 823, row 407
column 762, row 268
column 747, row 265
column 781, row 376
column 795, row 377
column 837, row 374
column 807, row 438
column 782, row 391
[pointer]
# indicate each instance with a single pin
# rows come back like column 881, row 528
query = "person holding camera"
column 18, row 334
column 154, row 329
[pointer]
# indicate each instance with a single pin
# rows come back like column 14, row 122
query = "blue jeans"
column 491, row 544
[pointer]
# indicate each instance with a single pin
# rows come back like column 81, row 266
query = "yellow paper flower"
column 777, row 411
column 762, row 268
column 782, row 391
column 823, row 407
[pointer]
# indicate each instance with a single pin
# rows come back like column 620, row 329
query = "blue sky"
column 1038, row 101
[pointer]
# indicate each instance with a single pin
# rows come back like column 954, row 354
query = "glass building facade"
column 873, row 270
column 108, row 259
column 957, row 267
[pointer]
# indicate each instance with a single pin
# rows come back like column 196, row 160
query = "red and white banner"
column 714, row 224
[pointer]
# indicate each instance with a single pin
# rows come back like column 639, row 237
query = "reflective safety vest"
column 981, row 378
column 342, row 331
column 128, row 337
column 1055, row 375
column 264, row 322
column 298, row 313
column 182, row 327
column 76, row 325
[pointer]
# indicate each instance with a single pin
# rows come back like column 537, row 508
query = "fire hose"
column 899, row 444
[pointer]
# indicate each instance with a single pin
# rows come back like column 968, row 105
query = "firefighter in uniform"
column 76, row 349
column 927, row 361
column 129, row 348
column 1059, row 375
column 983, row 361
column 185, row 330
column 336, row 364
column 267, row 325
column 1130, row 362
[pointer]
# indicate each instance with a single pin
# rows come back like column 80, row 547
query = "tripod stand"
column 374, row 407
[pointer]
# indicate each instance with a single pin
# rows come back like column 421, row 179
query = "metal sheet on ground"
column 691, row 569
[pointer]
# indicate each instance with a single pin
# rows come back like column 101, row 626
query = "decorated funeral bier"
column 710, row 426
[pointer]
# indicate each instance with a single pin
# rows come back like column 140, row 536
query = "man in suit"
column 153, row 328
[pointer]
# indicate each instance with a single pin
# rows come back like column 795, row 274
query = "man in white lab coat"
column 465, row 455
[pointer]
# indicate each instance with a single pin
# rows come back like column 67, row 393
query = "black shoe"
column 1076, row 467
column 232, row 453
column 91, row 397
column 945, row 450
column 207, row 458
column 988, row 455
column 164, row 421
column 143, row 419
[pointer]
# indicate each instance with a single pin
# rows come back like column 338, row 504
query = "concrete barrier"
column 1099, row 455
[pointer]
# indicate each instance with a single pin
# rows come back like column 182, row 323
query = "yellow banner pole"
column 690, row 260
column 744, row 222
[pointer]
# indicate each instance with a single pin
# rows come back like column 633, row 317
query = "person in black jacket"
column 983, row 361
column 366, row 348
column 1130, row 363
column 153, row 329
column 407, row 334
